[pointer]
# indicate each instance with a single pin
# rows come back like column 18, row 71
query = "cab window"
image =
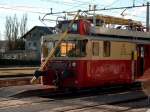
column 75, row 48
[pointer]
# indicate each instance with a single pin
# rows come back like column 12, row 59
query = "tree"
column 23, row 30
column 12, row 30
column 8, row 32
column 15, row 31
column 23, row 25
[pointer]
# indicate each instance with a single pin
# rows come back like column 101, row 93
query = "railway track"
column 53, row 92
column 15, row 76
column 17, row 72
column 117, row 102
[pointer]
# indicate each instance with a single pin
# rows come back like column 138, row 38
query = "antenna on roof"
column 51, row 10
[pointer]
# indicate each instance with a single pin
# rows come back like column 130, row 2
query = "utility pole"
column 147, row 17
column 133, row 3
column 94, row 16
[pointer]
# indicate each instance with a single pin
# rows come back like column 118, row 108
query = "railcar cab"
column 63, row 69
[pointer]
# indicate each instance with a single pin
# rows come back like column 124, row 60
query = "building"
column 32, row 40
column 3, row 47
column 20, row 55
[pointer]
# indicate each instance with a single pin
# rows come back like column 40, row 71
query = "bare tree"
column 8, row 32
column 23, row 30
column 23, row 25
column 15, row 31
column 12, row 30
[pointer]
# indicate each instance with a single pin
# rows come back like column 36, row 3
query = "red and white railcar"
column 89, row 61
column 97, row 56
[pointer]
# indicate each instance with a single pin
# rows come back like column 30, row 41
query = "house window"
column 34, row 34
column 29, row 44
column 106, row 49
column 41, row 34
column 95, row 48
column 34, row 44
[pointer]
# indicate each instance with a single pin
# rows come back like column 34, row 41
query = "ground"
column 27, row 99
column 18, row 95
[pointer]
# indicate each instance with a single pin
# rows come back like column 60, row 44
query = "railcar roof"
column 68, row 37
column 138, row 40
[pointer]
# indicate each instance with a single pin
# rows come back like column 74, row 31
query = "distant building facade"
column 33, row 40
column 3, row 47
column 19, row 55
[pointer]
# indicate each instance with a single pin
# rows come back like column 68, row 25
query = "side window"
column 95, row 48
column 34, row 34
column 106, row 48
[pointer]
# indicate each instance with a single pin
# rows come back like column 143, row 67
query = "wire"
column 57, row 2
column 23, row 6
column 103, row 9
column 81, row 2
column 61, row 2
column 8, row 8
column 112, row 3
column 116, row 12
column 75, row 7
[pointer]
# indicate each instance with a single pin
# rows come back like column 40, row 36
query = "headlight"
column 74, row 64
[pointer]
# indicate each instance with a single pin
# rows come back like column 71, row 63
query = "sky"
column 36, row 9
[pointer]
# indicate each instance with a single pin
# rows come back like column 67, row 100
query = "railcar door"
column 146, row 57
column 140, row 60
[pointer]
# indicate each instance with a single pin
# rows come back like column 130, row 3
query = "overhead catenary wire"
column 55, row 13
column 27, row 8
column 23, row 6
column 112, row 3
column 102, row 9
column 112, row 8
column 9, row 8
column 64, row 3
column 82, row 2
column 76, row 6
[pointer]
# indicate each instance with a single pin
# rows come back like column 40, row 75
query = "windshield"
column 69, row 48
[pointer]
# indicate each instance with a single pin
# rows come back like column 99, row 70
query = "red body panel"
column 92, row 73
column 104, row 72
column 84, row 27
